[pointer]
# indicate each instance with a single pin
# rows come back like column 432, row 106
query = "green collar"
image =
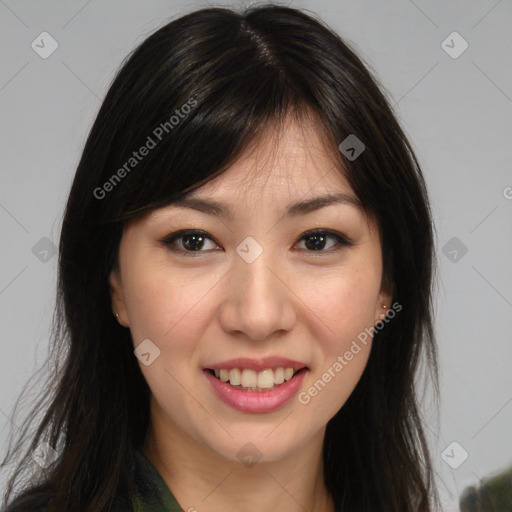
column 151, row 493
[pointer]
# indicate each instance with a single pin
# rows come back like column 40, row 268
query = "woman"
column 245, row 284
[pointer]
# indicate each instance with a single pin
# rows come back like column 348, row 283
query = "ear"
column 117, row 297
column 383, row 304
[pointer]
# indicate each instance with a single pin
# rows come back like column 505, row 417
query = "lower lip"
column 256, row 401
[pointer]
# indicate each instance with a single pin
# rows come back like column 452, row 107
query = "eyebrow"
column 304, row 207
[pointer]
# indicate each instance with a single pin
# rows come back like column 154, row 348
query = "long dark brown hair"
column 239, row 73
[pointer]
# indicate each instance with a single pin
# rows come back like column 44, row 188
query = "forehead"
column 290, row 160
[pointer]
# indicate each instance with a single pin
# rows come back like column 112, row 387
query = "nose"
column 259, row 300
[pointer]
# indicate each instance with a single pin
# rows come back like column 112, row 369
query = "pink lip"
column 256, row 401
column 258, row 364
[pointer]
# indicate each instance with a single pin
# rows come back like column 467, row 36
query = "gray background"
column 456, row 111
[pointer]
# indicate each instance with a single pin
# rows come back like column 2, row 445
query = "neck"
column 201, row 479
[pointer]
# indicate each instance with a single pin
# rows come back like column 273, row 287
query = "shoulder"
column 38, row 499
column 140, row 487
column 28, row 501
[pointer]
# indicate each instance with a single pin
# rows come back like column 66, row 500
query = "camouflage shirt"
column 493, row 495
column 150, row 494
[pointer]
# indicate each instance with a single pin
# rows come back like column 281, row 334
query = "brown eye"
column 190, row 241
column 316, row 240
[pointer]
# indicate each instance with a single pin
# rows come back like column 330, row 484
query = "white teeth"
column 235, row 376
column 279, row 375
column 248, row 378
column 266, row 379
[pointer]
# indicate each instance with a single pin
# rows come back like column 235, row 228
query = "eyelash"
column 169, row 240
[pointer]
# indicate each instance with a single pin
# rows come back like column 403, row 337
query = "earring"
column 117, row 317
column 383, row 315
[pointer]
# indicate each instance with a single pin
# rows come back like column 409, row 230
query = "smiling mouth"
column 251, row 380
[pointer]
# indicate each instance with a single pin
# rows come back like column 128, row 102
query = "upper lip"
column 257, row 364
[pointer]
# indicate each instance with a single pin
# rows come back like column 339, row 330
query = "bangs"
column 190, row 107
column 192, row 131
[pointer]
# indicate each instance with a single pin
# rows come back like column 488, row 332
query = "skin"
column 292, row 301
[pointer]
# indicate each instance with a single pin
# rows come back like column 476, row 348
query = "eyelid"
column 342, row 240
column 182, row 232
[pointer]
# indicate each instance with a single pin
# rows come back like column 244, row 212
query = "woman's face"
column 253, row 294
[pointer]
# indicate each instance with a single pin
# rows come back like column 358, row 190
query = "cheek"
column 165, row 305
column 326, row 392
column 345, row 304
column 344, row 300
column 342, row 350
column 167, row 309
